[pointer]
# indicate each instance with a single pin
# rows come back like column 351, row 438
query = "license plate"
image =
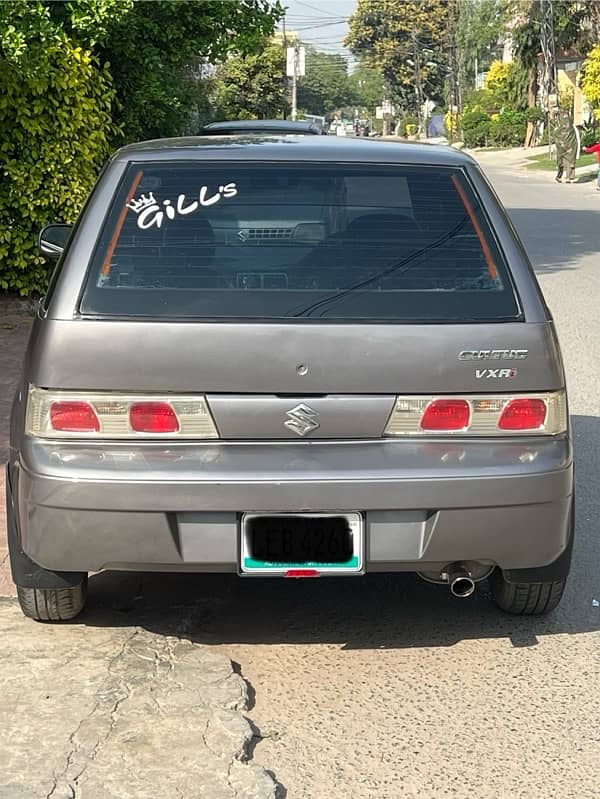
column 298, row 544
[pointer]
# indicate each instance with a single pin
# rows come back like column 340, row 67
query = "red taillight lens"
column 73, row 417
column 523, row 414
column 153, row 417
column 451, row 414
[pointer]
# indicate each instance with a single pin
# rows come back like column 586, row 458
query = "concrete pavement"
column 105, row 707
column 102, row 710
column 378, row 688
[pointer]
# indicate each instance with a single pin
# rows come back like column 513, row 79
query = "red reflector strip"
column 73, row 417
column 451, row 414
column 298, row 573
column 153, row 417
column 523, row 414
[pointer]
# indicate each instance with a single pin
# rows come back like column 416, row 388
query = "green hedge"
column 54, row 122
column 506, row 129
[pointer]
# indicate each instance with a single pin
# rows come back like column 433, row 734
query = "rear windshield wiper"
column 401, row 266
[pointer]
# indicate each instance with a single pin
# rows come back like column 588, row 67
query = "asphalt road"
column 386, row 687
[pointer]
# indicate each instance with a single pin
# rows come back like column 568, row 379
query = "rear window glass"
column 307, row 241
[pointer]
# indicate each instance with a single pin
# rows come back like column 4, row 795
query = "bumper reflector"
column 299, row 573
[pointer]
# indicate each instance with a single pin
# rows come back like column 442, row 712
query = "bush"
column 407, row 125
column 508, row 129
column 590, row 81
column 475, row 125
column 54, row 127
column 590, row 135
column 451, row 124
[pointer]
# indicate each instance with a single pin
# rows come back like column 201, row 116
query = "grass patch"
column 543, row 161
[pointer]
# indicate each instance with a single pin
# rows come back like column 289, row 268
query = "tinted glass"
column 307, row 241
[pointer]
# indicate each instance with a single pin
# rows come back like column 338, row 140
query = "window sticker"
column 150, row 214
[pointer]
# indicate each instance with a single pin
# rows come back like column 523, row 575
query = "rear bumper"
column 85, row 508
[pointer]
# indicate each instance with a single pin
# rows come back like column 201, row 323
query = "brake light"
column 523, row 414
column 482, row 415
column 106, row 415
column 446, row 414
column 73, row 417
column 153, row 417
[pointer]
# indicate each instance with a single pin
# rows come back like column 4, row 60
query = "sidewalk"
column 111, row 707
column 517, row 158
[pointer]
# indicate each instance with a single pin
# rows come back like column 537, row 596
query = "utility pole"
column 548, row 48
column 295, row 84
column 418, row 83
column 453, row 87
column 285, row 80
column 550, row 88
column 295, row 68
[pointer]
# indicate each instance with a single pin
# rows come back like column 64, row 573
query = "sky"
column 323, row 23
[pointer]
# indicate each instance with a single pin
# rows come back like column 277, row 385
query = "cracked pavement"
column 111, row 712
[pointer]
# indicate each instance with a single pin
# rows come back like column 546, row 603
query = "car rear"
column 296, row 357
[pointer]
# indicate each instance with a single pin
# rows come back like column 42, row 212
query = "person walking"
column 565, row 140
column 595, row 148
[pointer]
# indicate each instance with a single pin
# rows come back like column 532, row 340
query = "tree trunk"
column 532, row 91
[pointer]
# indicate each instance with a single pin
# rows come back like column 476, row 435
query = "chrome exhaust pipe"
column 459, row 580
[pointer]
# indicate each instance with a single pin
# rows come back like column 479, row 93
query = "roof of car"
column 280, row 147
column 261, row 126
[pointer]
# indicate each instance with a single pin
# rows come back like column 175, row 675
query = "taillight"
column 523, row 414
column 153, row 417
column 483, row 415
column 103, row 415
column 446, row 414
column 73, row 417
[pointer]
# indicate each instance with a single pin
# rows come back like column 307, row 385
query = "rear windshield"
column 322, row 242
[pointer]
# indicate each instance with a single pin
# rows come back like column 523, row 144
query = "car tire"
column 52, row 604
column 526, row 599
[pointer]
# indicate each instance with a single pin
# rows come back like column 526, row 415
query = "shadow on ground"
column 374, row 612
column 555, row 238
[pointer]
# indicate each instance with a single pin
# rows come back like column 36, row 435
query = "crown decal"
column 143, row 202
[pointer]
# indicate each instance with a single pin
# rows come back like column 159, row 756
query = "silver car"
column 292, row 356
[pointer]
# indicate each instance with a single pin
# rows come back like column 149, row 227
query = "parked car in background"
column 290, row 356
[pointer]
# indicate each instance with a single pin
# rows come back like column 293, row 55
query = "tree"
column 78, row 76
column 405, row 41
column 569, row 32
column 506, row 87
column 325, row 87
column 368, row 86
column 155, row 48
column 252, row 86
column 590, row 82
column 480, row 26
column 55, row 123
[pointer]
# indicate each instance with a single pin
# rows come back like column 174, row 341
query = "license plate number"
column 278, row 543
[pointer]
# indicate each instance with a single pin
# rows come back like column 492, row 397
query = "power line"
column 308, row 5
column 320, row 25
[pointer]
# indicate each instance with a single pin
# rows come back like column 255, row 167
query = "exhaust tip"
column 460, row 581
column 462, row 587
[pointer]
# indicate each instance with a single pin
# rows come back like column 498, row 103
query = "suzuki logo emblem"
column 302, row 420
